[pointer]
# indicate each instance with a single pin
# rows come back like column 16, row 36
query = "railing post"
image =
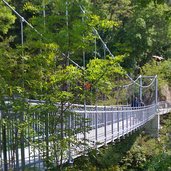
column 140, row 88
column 21, row 27
column 123, row 122
column 96, row 125
column 105, row 125
column 156, row 101
column 112, row 124
column 85, row 120
column 70, row 161
column 156, row 90
column 118, row 122
column 16, row 146
column 4, row 145
column 130, row 120
column 22, row 144
column 126, row 121
column 133, row 121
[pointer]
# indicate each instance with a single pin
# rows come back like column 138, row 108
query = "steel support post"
column 118, row 123
column 96, row 125
column 123, row 122
column 4, row 147
column 22, row 32
column 84, row 55
column 112, row 124
column 105, row 125
column 156, row 90
column 130, row 120
column 127, row 121
column 70, row 161
column 22, row 144
column 44, row 15
column 140, row 90
column 156, row 101
column 85, row 120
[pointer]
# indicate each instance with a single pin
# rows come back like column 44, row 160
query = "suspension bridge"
column 35, row 136
column 104, row 125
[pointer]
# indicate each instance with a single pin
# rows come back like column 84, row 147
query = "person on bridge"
column 135, row 102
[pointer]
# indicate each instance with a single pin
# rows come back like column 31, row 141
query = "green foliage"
column 6, row 19
column 150, row 154
column 96, row 21
column 29, row 7
column 162, row 70
column 133, row 31
column 145, row 34
column 159, row 163
column 144, row 3
column 162, row 159
column 106, row 69
column 102, row 75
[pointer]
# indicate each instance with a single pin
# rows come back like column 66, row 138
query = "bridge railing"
column 95, row 125
column 108, row 123
column 164, row 107
column 164, row 104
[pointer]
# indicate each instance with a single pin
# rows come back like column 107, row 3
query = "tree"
column 146, row 33
column 6, row 19
column 103, row 76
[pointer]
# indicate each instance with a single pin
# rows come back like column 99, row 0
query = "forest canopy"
column 60, row 37
column 56, row 55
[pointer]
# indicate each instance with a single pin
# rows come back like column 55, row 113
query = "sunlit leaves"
column 97, row 21
column 103, row 72
column 29, row 7
column 6, row 18
column 162, row 70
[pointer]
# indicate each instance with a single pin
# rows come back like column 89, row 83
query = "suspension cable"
column 134, row 82
column 104, row 44
column 67, row 56
column 82, row 68
column 32, row 27
column 23, row 19
column 96, row 32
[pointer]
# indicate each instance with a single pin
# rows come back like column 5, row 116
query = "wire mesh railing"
column 164, row 107
column 109, row 123
column 42, row 136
